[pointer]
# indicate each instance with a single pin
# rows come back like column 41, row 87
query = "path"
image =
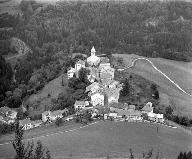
column 133, row 63
column 51, row 134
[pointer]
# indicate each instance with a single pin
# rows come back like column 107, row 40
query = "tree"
column 20, row 114
column 154, row 91
column 6, row 75
column 58, row 121
column 185, row 155
column 126, row 88
column 18, row 144
column 83, row 72
column 27, row 152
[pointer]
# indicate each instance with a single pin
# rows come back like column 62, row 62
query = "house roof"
column 147, row 108
column 37, row 122
column 112, row 92
column 94, row 72
column 105, row 81
column 81, row 102
column 132, row 107
column 93, row 85
column 104, row 60
column 105, row 75
column 57, row 112
column 99, row 91
column 114, row 82
column 24, row 121
column 122, row 112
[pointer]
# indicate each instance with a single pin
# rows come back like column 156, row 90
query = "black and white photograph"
column 95, row 79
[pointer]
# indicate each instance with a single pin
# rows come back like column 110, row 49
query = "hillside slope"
column 43, row 98
column 113, row 139
column 179, row 72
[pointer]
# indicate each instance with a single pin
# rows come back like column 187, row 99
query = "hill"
column 115, row 140
column 10, row 6
column 43, row 99
column 179, row 72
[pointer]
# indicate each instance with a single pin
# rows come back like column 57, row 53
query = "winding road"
column 133, row 63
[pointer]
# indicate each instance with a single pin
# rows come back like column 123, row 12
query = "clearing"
column 179, row 72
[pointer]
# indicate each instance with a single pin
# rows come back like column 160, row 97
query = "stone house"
column 79, row 64
column 27, row 124
column 97, row 98
column 71, row 72
column 104, row 62
column 93, row 87
column 51, row 116
column 81, row 105
column 91, row 78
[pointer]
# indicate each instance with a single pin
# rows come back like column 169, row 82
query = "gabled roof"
column 104, row 60
column 105, row 75
column 147, row 108
column 24, row 122
column 112, row 92
column 113, row 82
column 93, row 85
column 99, row 91
column 132, row 107
column 94, row 72
column 81, row 102
column 106, row 81
column 122, row 112
column 57, row 112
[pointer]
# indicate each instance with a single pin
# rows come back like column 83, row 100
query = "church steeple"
column 93, row 51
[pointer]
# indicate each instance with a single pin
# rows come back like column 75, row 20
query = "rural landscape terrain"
column 95, row 79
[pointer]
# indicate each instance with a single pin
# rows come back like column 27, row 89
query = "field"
column 50, row 91
column 179, row 72
column 115, row 140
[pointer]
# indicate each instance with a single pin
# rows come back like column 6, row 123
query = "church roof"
column 93, row 50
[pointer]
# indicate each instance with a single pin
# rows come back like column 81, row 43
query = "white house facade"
column 97, row 99
column 71, row 72
column 80, row 64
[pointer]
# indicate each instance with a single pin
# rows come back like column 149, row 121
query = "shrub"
column 36, row 117
column 58, row 121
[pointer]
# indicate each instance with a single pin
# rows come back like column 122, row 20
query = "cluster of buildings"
column 47, row 117
column 129, row 113
column 103, row 89
column 9, row 116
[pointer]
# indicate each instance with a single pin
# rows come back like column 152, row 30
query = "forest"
column 54, row 32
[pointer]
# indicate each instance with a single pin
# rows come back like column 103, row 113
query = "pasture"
column 114, row 139
column 179, row 72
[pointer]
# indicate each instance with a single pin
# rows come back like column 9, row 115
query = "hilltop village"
column 103, row 98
